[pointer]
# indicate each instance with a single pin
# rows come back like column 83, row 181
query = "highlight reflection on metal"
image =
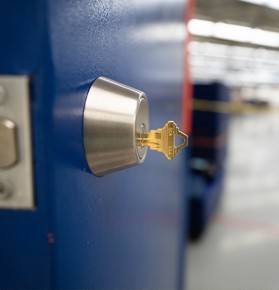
column 163, row 140
column 114, row 114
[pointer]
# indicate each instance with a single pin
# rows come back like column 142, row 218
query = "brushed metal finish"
column 8, row 143
column 114, row 114
column 18, row 176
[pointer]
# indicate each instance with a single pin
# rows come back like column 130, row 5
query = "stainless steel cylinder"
column 113, row 116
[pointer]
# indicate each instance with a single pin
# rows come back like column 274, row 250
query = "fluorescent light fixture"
column 274, row 4
column 201, row 27
column 233, row 32
column 264, row 37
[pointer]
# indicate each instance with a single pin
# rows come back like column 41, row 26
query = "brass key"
column 163, row 140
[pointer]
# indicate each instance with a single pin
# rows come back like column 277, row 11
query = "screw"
column 2, row 94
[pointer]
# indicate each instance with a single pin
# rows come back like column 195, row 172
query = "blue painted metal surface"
column 124, row 230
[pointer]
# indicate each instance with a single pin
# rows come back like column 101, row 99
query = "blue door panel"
column 126, row 229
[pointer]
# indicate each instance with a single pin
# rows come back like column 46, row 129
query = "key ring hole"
column 178, row 140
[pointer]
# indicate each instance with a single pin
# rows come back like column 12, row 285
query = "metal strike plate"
column 113, row 116
column 16, row 172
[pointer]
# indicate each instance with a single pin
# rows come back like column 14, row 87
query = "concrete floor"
column 240, row 249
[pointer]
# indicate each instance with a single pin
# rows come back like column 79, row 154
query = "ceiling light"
column 274, row 4
column 201, row 27
column 233, row 32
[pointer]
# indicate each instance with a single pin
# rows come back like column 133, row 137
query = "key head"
column 169, row 133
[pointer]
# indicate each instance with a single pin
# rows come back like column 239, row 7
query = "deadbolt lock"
column 116, row 128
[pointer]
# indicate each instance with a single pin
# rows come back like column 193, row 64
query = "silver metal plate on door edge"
column 16, row 180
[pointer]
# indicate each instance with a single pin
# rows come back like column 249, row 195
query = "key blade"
column 153, row 139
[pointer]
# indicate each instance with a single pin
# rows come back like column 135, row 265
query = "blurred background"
column 235, row 195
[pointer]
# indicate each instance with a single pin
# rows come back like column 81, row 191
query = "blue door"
column 123, row 230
